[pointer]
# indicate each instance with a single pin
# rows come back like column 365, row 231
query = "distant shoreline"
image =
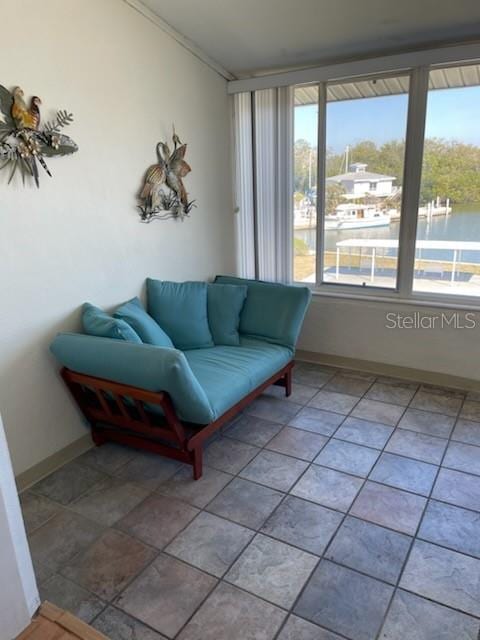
column 462, row 224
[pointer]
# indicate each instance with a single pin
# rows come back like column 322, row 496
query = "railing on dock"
column 456, row 247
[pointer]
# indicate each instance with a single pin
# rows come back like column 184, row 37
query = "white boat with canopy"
column 356, row 216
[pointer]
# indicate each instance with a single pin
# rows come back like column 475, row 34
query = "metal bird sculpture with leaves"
column 163, row 194
column 24, row 144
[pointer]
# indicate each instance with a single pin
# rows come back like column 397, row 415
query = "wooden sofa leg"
column 288, row 383
column 197, row 455
column 98, row 437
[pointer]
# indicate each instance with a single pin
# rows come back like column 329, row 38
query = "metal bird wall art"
column 24, row 142
column 163, row 194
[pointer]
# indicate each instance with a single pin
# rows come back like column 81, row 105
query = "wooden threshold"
column 52, row 623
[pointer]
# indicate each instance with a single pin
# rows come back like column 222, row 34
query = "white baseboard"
column 394, row 371
column 53, row 462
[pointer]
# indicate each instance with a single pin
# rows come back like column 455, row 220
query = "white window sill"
column 459, row 304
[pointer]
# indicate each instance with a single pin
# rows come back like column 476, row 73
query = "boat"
column 356, row 216
column 305, row 218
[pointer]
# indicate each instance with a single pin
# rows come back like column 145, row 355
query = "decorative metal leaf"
column 14, row 169
column 6, row 101
column 66, row 146
column 7, row 152
column 189, row 206
column 63, row 119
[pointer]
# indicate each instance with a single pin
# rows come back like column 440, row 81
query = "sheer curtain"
column 264, row 183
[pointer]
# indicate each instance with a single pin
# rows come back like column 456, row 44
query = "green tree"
column 333, row 196
column 367, row 152
column 334, row 163
column 305, row 166
column 451, row 169
column 391, row 160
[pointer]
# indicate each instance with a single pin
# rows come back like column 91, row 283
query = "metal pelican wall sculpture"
column 24, row 143
column 163, row 194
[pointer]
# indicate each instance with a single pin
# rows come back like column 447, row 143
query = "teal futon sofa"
column 166, row 377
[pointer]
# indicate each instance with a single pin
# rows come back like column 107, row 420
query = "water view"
column 364, row 163
column 363, row 256
column 462, row 223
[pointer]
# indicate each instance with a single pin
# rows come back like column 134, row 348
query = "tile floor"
column 350, row 510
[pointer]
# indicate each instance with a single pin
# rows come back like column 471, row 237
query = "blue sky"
column 452, row 114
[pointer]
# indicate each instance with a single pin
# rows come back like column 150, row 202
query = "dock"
column 456, row 247
column 306, row 219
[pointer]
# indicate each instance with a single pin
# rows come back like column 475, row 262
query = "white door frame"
column 19, row 597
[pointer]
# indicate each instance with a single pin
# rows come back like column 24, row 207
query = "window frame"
column 414, row 147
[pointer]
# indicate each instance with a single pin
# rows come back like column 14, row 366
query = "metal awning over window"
column 446, row 78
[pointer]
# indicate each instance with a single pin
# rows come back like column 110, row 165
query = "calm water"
column 462, row 224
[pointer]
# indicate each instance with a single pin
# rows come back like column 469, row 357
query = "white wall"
column 383, row 187
column 79, row 238
column 18, row 593
column 359, row 329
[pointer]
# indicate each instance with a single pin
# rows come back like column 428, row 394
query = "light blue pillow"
column 180, row 308
column 98, row 323
column 224, row 303
column 144, row 325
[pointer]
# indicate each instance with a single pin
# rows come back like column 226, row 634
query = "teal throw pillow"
column 150, row 332
column 98, row 323
column 225, row 302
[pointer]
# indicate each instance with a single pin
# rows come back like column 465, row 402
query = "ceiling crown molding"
column 178, row 37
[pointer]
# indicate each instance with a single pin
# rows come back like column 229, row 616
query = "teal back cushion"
column 98, row 323
column 225, row 302
column 272, row 312
column 180, row 308
column 143, row 324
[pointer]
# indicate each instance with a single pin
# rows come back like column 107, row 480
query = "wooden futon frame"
column 119, row 413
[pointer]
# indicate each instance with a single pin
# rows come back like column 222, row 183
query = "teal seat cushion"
column 133, row 313
column 180, row 308
column 98, row 323
column 224, row 304
column 227, row 374
column 203, row 383
column 272, row 312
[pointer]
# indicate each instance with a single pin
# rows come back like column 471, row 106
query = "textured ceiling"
column 249, row 37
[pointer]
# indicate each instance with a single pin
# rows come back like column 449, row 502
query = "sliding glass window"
column 359, row 207
column 387, row 184
column 447, row 256
column 305, row 172
column 366, row 124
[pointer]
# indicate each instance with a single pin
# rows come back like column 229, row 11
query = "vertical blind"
column 264, row 183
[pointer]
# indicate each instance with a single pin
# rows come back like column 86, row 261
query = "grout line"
column 415, row 536
column 285, row 495
column 97, row 615
column 112, row 605
column 325, row 550
column 345, row 515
